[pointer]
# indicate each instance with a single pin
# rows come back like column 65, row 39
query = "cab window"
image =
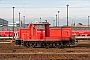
column 41, row 26
column 34, row 26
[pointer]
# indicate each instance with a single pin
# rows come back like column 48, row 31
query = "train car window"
column 10, row 29
column 78, row 34
column 88, row 28
column 83, row 34
column 10, row 35
column 73, row 28
column 15, row 29
column 5, row 35
column 83, row 28
column 5, row 28
column 78, row 28
column 0, row 28
column 88, row 35
column 40, row 26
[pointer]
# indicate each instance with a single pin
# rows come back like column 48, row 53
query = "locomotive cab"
column 41, row 30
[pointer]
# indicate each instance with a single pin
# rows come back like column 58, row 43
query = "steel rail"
column 48, row 53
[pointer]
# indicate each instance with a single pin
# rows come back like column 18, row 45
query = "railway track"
column 13, row 48
column 9, row 45
column 45, row 56
column 9, row 51
column 36, row 50
column 47, row 53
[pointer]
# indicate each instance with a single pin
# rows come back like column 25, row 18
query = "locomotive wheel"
column 43, row 45
column 51, row 44
column 64, row 44
column 61, row 44
column 47, row 45
column 57, row 45
column 69, row 44
column 34, row 44
column 27, row 44
column 73, row 42
column 31, row 45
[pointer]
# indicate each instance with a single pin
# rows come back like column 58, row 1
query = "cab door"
column 41, row 31
column 25, row 36
column 66, row 33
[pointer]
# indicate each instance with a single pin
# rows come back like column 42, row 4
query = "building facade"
column 3, row 22
column 17, row 24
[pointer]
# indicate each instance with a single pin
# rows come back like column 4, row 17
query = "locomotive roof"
column 40, row 23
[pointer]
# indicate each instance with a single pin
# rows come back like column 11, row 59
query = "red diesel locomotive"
column 41, row 35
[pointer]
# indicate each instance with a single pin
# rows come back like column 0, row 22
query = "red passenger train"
column 40, row 34
column 81, row 32
column 6, row 33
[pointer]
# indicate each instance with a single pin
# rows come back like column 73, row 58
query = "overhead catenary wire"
column 45, row 7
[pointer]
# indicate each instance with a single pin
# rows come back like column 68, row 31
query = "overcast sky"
column 46, row 9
